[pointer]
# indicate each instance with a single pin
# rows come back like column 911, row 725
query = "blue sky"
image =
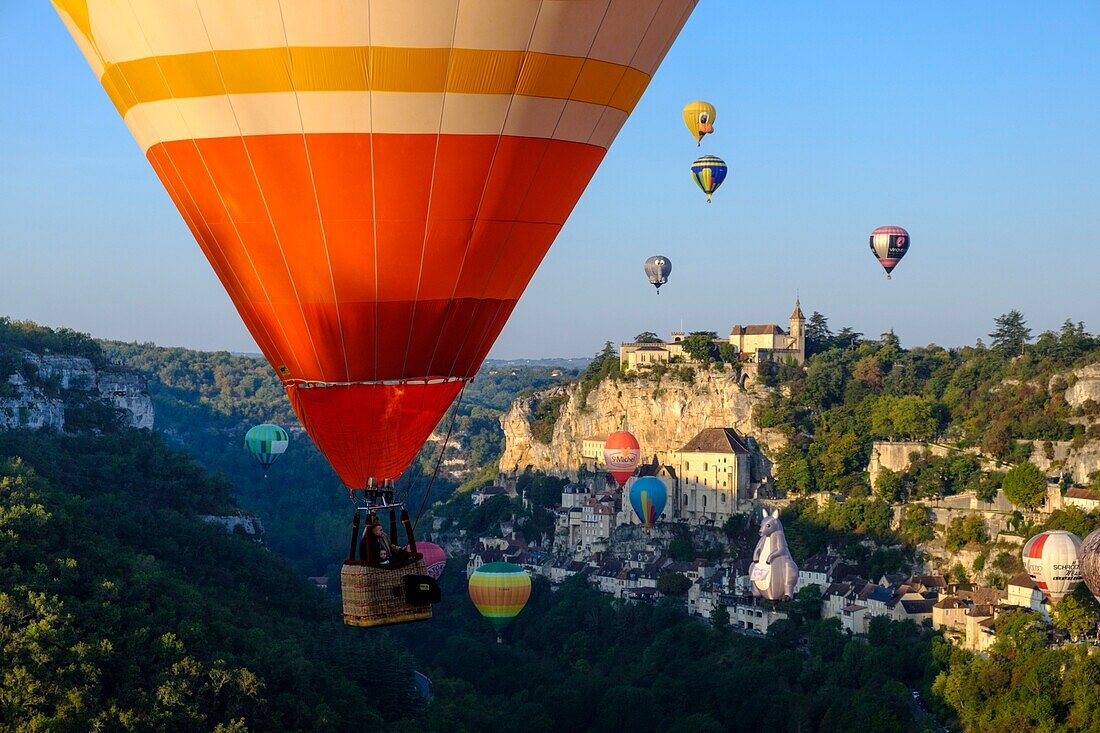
column 975, row 125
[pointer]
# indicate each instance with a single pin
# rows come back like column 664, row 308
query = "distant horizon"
column 973, row 126
column 1035, row 333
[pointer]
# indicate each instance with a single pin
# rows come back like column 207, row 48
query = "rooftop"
column 716, row 440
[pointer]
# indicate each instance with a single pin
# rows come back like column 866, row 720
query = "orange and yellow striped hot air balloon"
column 374, row 181
column 500, row 591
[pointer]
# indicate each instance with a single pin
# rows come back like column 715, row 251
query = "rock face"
column 1085, row 387
column 39, row 394
column 663, row 415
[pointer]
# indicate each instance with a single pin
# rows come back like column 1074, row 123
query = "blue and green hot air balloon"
column 648, row 496
column 708, row 172
column 266, row 443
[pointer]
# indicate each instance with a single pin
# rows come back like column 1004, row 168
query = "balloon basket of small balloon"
column 378, row 596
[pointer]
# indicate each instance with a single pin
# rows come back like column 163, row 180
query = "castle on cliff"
column 754, row 343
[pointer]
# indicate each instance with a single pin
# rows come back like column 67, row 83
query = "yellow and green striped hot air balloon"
column 500, row 591
column 266, row 443
column 708, row 172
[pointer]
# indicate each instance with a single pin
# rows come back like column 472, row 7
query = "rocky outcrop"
column 664, row 415
column 45, row 386
column 1085, row 385
column 248, row 524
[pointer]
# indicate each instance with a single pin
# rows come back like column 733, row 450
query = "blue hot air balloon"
column 648, row 496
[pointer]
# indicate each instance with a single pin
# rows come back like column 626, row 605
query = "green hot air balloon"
column 266, row 443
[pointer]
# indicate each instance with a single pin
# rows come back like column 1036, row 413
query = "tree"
column 962, row 531
column 720, row 617
column 728, row 353
column 847, row 338
column 1076, row 613
column 889, row 486
column 807, row 603
column 647, row 337
column 673, row 584
column 1010, row 333
column 916, row 525
column 1025, row 485
column 793, row 470
column 700, row 346
column 818, row 336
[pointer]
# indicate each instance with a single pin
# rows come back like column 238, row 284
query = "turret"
column 798, row 330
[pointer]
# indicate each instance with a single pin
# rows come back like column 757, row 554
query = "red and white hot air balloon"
column 1052, row 560
column 622, row 454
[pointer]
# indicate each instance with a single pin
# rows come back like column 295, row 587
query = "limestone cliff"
column 44, row 387
column 1079, row 457
column 664, row 414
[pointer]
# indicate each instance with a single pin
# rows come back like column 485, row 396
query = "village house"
column 949, row 614
column 746, row 614
column 817, row 570
column 1084, row 499
column 1024, row 593
column 481, row 496
column 754, row 343
column 979, row 634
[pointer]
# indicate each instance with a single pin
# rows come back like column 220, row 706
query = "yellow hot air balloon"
column 699, row 117
column 374, row 181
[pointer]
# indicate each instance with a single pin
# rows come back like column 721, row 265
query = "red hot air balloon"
column 622, row 454
column 889, row 245
column 374, row 181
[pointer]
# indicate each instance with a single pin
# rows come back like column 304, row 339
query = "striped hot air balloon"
column 266, row 443
column 500, row 591
column 1051, row 559
column 622, row 454
column 374, row 181
column 648, row 496
column 708, row 172
column 889, row 245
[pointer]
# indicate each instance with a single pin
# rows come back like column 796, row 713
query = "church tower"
column 798, row 331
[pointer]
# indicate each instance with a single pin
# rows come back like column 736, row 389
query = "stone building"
column 713, row 476
column 754, row 343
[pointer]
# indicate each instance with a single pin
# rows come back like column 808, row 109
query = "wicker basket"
column 375, row 596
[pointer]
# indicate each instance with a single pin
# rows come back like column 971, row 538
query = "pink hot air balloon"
column 622, row 454
column 435, row 559
column 889, row 245
column 1052, row 560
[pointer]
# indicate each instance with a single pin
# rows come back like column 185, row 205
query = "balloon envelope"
column 1051, row 559
column 648, row 496
column 1090, row 562
column 435, row 559
column 699, row 116
column 889, row 245
column 500, row 591
column 266, row 443
column 622, row 454
column 374, row 181
column 657, row 270
column 708, row 173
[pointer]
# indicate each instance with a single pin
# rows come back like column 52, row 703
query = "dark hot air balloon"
column 889, row 245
